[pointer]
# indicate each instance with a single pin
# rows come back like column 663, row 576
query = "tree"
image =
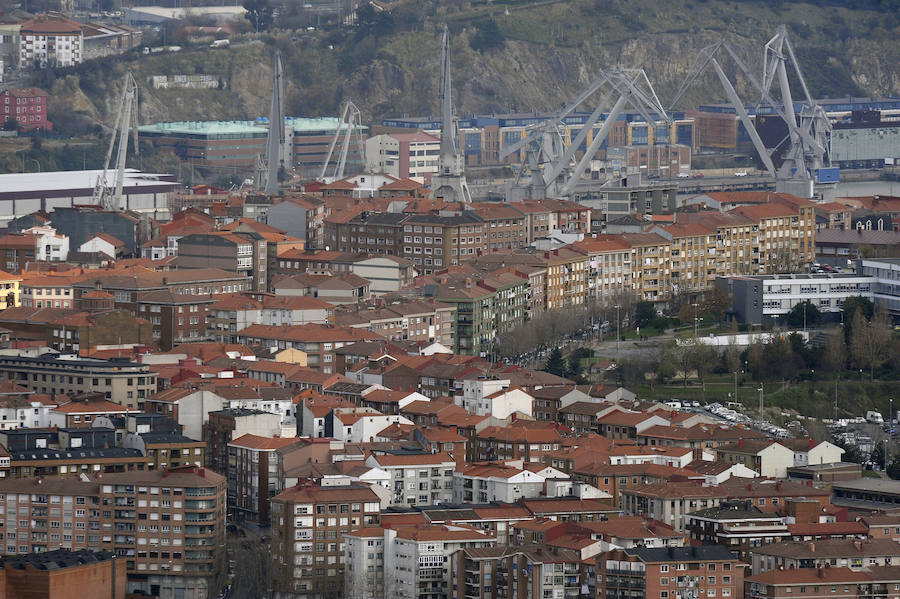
column 487, row 36
column 574, row 369
column 795, row 317
column 851, row 306
column 717, row 301
column 259, row 13
column 877, row 455
column 644, row 312
column 556, row 364
column 834, row 356
column 893, row 469
column 870, row 340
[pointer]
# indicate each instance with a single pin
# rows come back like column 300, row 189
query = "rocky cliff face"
column 399, row 74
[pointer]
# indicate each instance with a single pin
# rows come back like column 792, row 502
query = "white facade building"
column 418, row 479
column 493, row 397
column 50, row 246
column 50, row 41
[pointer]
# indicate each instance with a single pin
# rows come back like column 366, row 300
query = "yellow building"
column 292, row 356
column 692, row 257
column 9, row 290
column 650, row 268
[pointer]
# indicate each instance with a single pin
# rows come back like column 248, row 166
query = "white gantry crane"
column 449, row 182
column 806, row 154
column 558, row 177
column 106, row 195
column 349, row 128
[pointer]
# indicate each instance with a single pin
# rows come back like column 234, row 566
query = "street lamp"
column 761, row 401
column 618, row 336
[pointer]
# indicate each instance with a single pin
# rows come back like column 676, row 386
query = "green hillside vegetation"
column 515, row 55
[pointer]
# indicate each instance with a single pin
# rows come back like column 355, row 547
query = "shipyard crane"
column 558, row 177
column 449, row 182
column 106, row 195
column 806, row 153
column 350, row 128
column 275, row 138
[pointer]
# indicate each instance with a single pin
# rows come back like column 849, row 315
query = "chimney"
column 741, row 442
column 812, row 547
column 858, row 545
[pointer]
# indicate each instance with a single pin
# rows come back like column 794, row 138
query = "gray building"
column 865, row 144
column 767, row 299
column 639, row 199
column 886, row 287
column 289, row 217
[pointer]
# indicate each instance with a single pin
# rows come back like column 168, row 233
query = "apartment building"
column 318, row 341
column 129, row 285
column 63, row 573
column 175, row 318
column 692, row 258
column 529, row 571
column 786, row 231
column 434, row 242
column 705, row 571
column 363, row 231
column 737, row 525
column 650, row 274
column 531, row 442
column 47, row 290
column 670, row 502
column 50, row 41
column 252, row 475
column 120, row 381
column 485, row 307
column 309, row 524
column 26, row 106
column 406, row 561
column 765, row 456
column 737, row 239
column 417, row 479
column 230, row 315
column 608, row 271
column 403, row 155
column 167, row 526
column 855, row 554
column 241, row 253
column 505, row 226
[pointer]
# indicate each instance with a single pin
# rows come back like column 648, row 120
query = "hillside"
column 544, row 53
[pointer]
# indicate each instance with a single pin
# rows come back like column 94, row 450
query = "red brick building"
column 27, row 106
column 63, row 574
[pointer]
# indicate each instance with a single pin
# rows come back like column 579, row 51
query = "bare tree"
column 870, row 340
column 834, row 355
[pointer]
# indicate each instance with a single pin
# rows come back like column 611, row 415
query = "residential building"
column 230, row 315
column 168, row 526
column 529, row 571
column 252, row 475
column 403, row 155
column 318, row 341
column 223, row 426
column 244, row 254
column 855, row 554
column 309, row 524
column 27, row 107
column 50, row 41
column 705, row 571
column 416, row 560
column 841, row 583
column 494, row 397
column 47, row 290
column 671, row 502
column 82, row 331
column 9, row 290
column 737, row 525
column 650, row 266
column 175, row 318
column 487, row 482
column 532, row 442
column 418, row 479
column 767, row 457
column 119, row 381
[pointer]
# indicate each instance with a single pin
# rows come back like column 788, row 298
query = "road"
column 248, row 558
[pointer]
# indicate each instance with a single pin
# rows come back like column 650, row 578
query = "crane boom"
column 126, row 120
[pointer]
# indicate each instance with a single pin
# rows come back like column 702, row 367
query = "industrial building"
column 483, row 137
column 25, row 193
column 238, row 144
